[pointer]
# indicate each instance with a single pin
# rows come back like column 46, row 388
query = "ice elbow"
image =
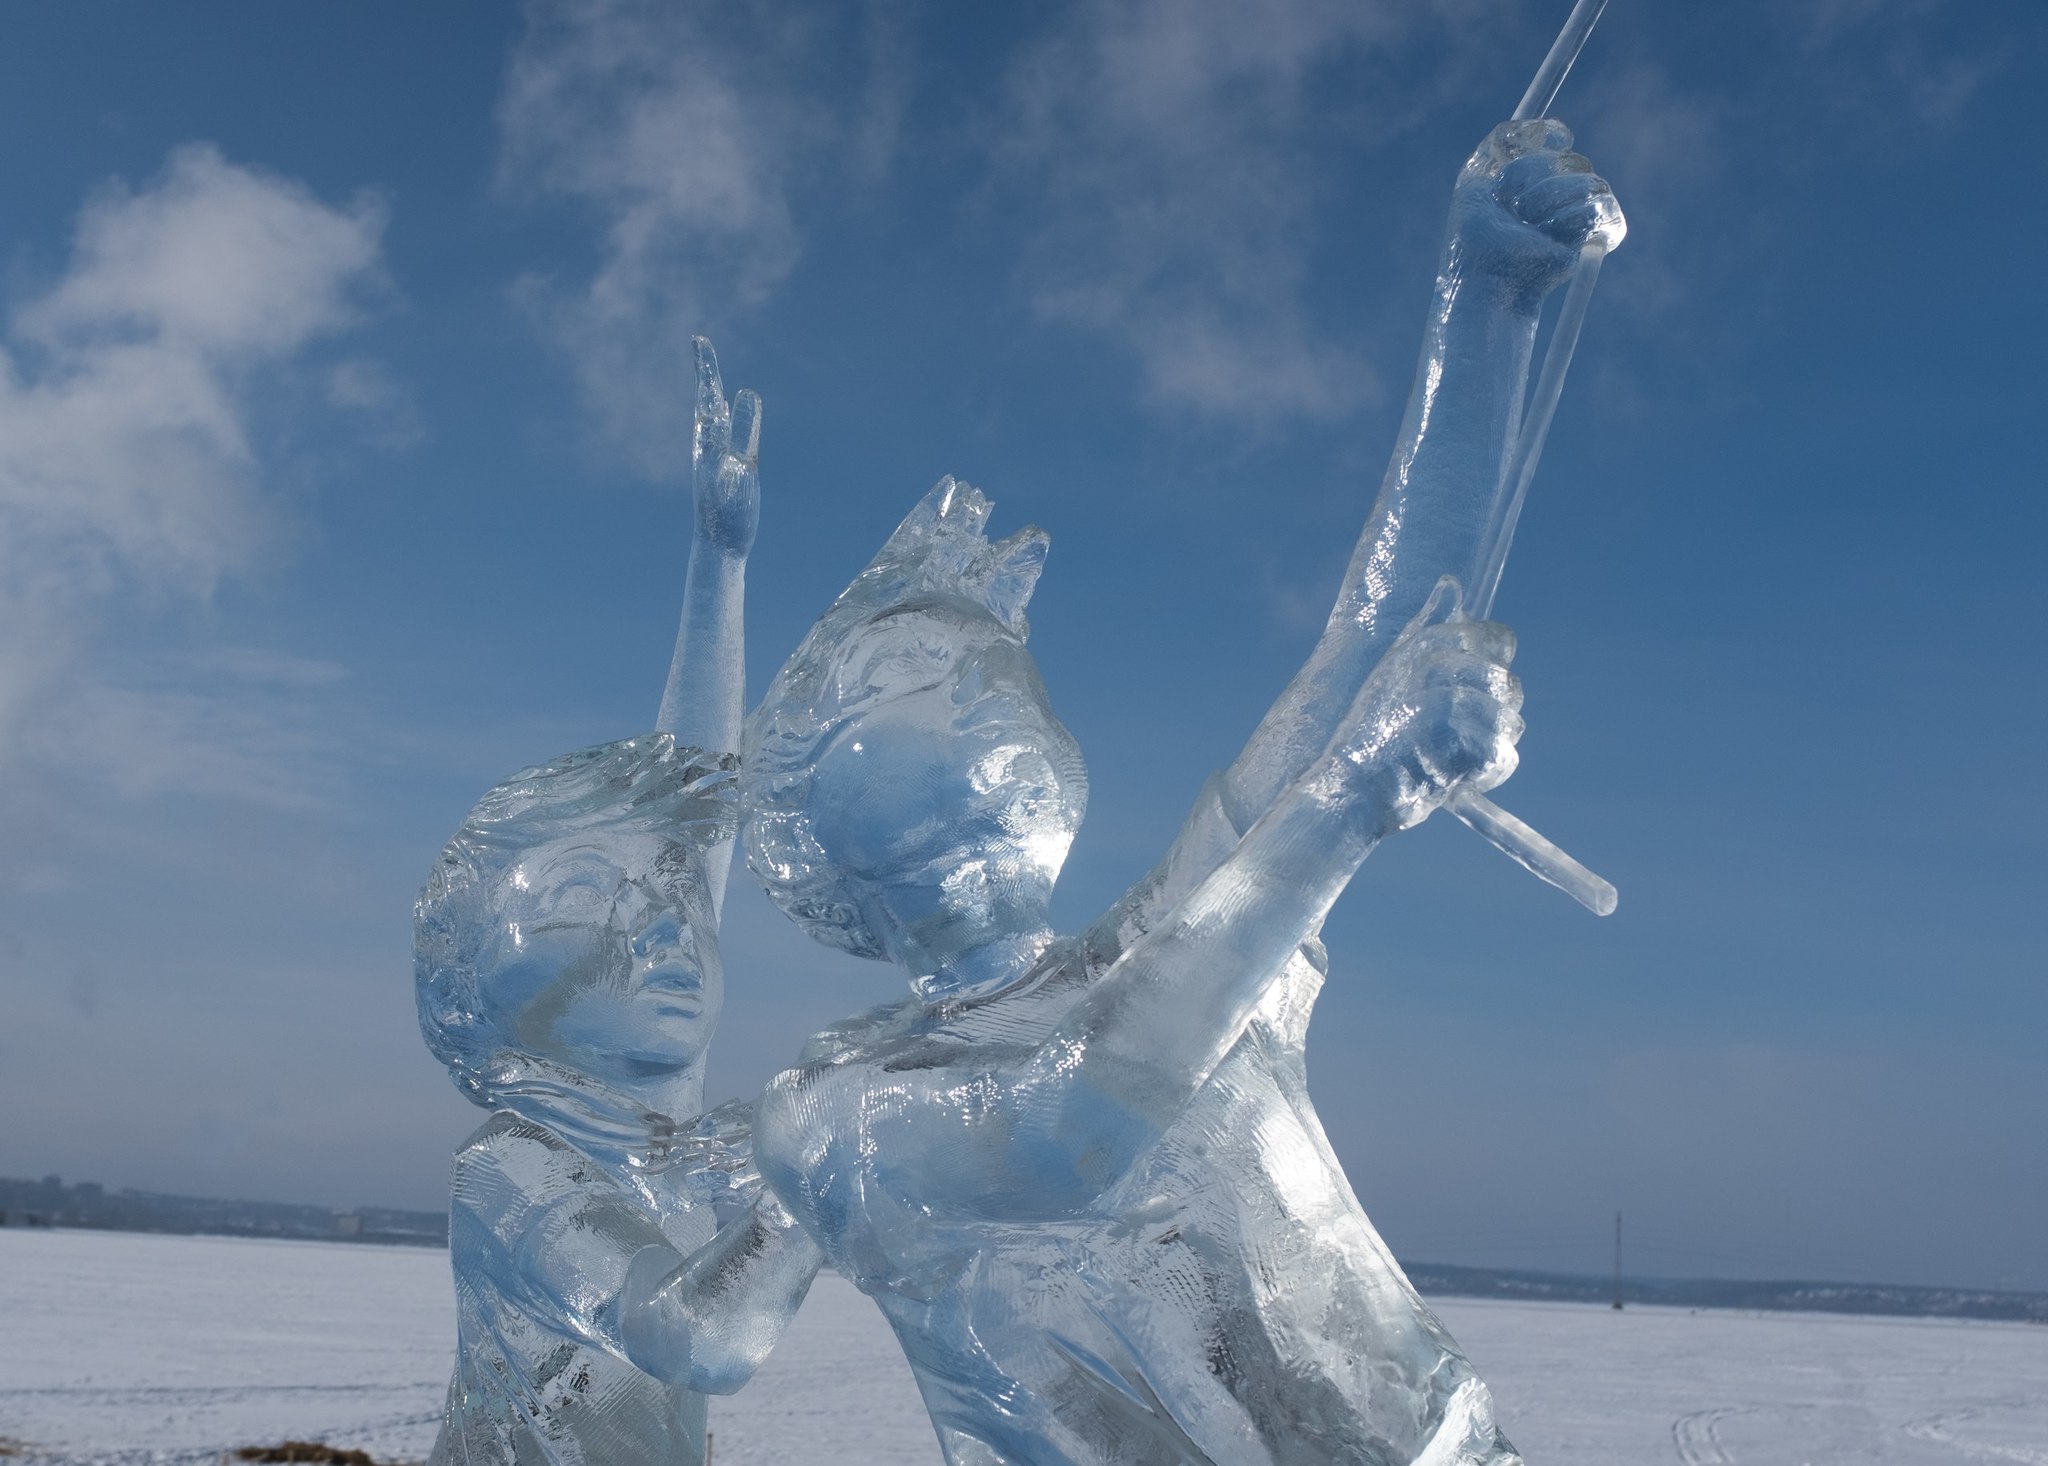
column 664, row 1336
column 677, row 1354
column 654, row 1339
column 722, row 1371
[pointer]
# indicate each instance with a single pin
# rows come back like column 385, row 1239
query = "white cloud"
column 128, row 459
column 686, row 132
column 214, row 258
column 230, row 723
column 1172, row 149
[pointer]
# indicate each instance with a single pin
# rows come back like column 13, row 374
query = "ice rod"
column 1512, row 837
column 1564, row 335
column 1563, row 52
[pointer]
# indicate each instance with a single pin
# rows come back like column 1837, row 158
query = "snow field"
column 129, row 1348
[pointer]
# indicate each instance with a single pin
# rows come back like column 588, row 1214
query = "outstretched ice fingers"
column 744, row 438
column 725, row 459
column 713, row 427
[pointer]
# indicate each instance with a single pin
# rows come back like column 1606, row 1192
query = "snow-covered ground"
column 128, row 1348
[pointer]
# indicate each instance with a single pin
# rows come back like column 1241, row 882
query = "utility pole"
column 1617, row 1260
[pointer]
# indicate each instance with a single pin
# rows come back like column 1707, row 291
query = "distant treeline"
column 1803, row 1297
column 51, row 1203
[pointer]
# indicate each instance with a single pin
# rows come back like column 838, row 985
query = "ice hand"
column 1441, row 713
column 1526, row 205
column 718, row 1157
column 725, row 472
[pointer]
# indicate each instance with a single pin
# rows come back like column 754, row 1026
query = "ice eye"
column 969, row 685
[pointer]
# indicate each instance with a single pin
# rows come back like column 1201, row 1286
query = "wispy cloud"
column 223, row 723
column 129, row 460
column 1889, row 57
column 686, row 133
column 1173, row 151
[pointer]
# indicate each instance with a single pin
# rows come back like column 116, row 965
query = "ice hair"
column 653, row 807
column 936, row 589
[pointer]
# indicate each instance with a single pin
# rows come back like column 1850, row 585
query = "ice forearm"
column 702, row 703
column 1430, row 520
column 1154, row 1027
column 707, row 1321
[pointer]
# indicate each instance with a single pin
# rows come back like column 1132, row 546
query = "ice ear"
column 1018, row 561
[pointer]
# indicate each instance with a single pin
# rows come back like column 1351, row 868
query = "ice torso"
column 540, row 1237
column 1224, row 1300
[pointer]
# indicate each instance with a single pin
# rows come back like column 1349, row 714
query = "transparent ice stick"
column 1513, row 838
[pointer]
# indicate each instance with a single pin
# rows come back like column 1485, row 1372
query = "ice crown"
column 940, row 549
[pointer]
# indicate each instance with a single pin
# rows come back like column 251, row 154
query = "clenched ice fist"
column 1526, row 204
column 1440, row 713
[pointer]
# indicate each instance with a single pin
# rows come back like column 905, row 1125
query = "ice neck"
column 627, row 1129
column 983, row 969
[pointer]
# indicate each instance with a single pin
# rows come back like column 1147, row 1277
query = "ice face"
column 597, row 966
column 909, row 792
column 949, row 805
column 565, row 944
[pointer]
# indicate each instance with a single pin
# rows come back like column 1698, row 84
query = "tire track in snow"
column 1935, row 1430
column 1698, row 1439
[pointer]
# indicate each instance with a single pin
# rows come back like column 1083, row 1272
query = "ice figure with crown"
column 615, row 1255
column 1081, row 1174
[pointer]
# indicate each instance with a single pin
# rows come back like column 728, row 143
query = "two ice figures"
column 1080, row 1174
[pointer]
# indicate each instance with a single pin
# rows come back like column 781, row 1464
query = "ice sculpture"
column 615, row 1254
column 1082, row 1175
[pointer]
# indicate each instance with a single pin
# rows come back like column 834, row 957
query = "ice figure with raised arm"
column 614, row 1252
column 1082, row 1175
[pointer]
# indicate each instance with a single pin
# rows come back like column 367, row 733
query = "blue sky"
column 340, row 409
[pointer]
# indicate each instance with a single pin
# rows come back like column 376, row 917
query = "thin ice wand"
column 1507, row 834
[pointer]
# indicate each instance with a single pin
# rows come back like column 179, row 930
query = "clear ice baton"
column 1518, row 841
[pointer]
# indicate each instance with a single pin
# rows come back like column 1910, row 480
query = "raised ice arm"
column 1523, row 206
column 703, row 702
column 1440, row 712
